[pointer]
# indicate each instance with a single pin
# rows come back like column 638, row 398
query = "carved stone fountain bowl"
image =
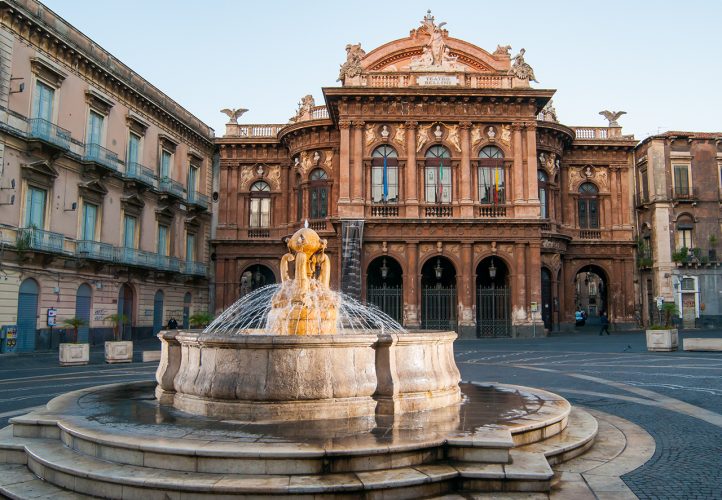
column 265, row 377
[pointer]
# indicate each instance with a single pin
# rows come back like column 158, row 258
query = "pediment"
column 92, row 190
column 39, row 172
column 164, row 214
column 132, row 204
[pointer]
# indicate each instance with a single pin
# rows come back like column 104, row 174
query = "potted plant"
column 664, row 338
column 118, row 350
column 200, row 319
column 71, row 352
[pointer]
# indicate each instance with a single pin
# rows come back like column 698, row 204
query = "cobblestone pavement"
column 676, row 397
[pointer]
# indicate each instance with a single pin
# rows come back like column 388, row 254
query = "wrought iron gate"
column 438, row 308
column 493, row 312
column 388, row 299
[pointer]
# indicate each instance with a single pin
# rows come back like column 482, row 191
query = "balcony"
column 94, row 250
column 438, row 211
column 197, row 199
column 684, row 194
column 590, row 234
column 30, row 238
column 195, row 268
column 492, row 211
column 384, row 211
column 140, row 173
column 259, row 232
column 166, row 263
column 49, row 132
column 318, row 224
column 97, row 154
column 171, row 187
column 135, row 257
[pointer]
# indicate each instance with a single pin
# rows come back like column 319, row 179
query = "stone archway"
column 384, row 286
column 493, row 298
column 256, row 276
column 590, row 292
column 438, row 294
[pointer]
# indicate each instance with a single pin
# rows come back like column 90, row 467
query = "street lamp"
column 384, row 269
column 438, row 270
column 492, row 269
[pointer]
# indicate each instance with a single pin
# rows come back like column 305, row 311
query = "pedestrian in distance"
column 172, row 324
column 604, row 320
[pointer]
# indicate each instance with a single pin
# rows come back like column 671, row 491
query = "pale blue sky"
column 659, row 61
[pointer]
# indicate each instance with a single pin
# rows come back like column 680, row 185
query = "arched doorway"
column 384, row 286
column 158, row 311
column 493, row 299
column 27, row 314
column 546, row 298
column 590, row 292
column 83, row 299
column 125, row 308
column 187, row 299
column 438, row 294
column 256, row 276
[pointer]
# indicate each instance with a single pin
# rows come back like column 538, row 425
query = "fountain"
column 295, row 390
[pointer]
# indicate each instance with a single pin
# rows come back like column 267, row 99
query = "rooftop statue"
column 352, row 67
column 305, row 108
column 520, row 69
column 436, row 55
column 612, row 116
column 233, row 114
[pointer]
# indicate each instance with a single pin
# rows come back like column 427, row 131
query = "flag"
column 386, row 181
column 439, row 183
column 496, row 186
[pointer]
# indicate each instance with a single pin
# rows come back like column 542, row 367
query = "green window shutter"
column 90, row 213
column 129, row 232
column 35, row 208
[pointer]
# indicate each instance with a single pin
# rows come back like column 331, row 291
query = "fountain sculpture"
column 295, row 390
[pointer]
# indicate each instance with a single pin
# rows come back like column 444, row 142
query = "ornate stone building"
column 104, row 187
column 679, row 188
column 449, row 193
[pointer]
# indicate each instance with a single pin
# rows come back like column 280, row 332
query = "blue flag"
column 386, row 180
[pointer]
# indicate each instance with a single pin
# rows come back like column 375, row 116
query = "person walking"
column 604, row 320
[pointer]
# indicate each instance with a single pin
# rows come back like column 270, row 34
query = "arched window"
column 542, row 179
column 260, row 205
column 492, row 185
column 318, row 194
column 588, row 206
column 384, row 175
column 438, row 175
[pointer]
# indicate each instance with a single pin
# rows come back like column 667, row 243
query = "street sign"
column 52, row 316
column 660, row 301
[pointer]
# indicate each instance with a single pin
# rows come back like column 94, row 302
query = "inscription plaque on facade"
column 437, row 80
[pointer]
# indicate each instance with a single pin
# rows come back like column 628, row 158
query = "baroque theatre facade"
column 450, row 195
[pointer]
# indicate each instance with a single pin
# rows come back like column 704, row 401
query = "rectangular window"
column 438, row 184
column 165, row 161
column 645, row 185
column 377, row 183
column 543, row 203
column 90, row 216
column 129, row 229
column 133, row 149
column 190, row 247
column 163, row 233
column 43, row 101
column 684, row 238
column 35, row 208
column 261, row 212
column 681, row 180
column 491, row 185
column 95, row 128
column 192, row 180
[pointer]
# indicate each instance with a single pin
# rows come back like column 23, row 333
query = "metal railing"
column 135, row 257
column 197, row 199
column 30, row 238
column 95, row 250
column 168, row 185
column 167, row 263
column 259, row 232
column 195, row 268
column 134, row 170
column 684, row 193
column 49, row 132
column 101, row 156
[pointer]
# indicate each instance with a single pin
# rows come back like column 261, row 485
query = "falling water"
column 252, row 314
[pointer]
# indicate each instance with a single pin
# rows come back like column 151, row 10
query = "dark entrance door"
column 83, row 300
column 384, row 286
column 438, row 308
column 546, row 305
column 158, row 312
column 493, row 312
column 27, row 315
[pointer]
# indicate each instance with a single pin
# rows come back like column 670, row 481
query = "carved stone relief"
column 454, row 136
column 247, row 173
column 274, row 177
column 370, row 134
column 422, row 135
column 476, row 135
column 400, row 136
column 506, row 134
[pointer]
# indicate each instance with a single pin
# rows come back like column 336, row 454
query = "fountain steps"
column 48, row 456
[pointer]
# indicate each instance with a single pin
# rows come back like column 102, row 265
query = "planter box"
column 74, row 354
column 120, row 351
column 662, row 340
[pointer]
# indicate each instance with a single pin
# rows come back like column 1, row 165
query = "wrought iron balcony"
column 95, row 250
column 99, row 155
column 684, row 193
column 30, row 238
column 198, row 199
column 167, row 263
column 49, row 132
column 135, row 257
column 138, row 172
column 195, row 268
column 169, row 186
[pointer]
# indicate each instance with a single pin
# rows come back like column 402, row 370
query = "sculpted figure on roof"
column 352, row 67
column 520, row 69
column 436, row 55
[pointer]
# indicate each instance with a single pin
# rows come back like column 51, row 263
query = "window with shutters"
column 491, row 179
column 260, row 205
column 588, row 206
column 35, row 207
column 384, row 175
column 318, row 194
column 437, row 178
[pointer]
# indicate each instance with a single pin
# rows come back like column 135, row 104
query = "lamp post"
column 438, row 270
column 492, row 270
column 384, row 272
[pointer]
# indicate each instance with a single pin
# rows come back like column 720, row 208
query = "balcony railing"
column 167, row 263
column 135, row 257
column 384, row 211
column 195, row 268
column 492, row 211
column 438, row 211
column 94, row 250
column 684, row 193
column 49, row 132
column 138, row 172
column 30, row 238
column 590, row 234
column 168, row 185
column 198, row 199
column 259, row 232
column 104, row 157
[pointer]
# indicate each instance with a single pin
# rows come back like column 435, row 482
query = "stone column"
column 519, row 303
column 534, row 282
column 412, row 199
column 411, row 286
column 357, row 168
column 518, row 167
column 531, row 166
column 467, row 204
column 467, row 324
column 344, row 164
column 284, row 213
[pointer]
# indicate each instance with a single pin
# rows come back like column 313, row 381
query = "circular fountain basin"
column 285, row 377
